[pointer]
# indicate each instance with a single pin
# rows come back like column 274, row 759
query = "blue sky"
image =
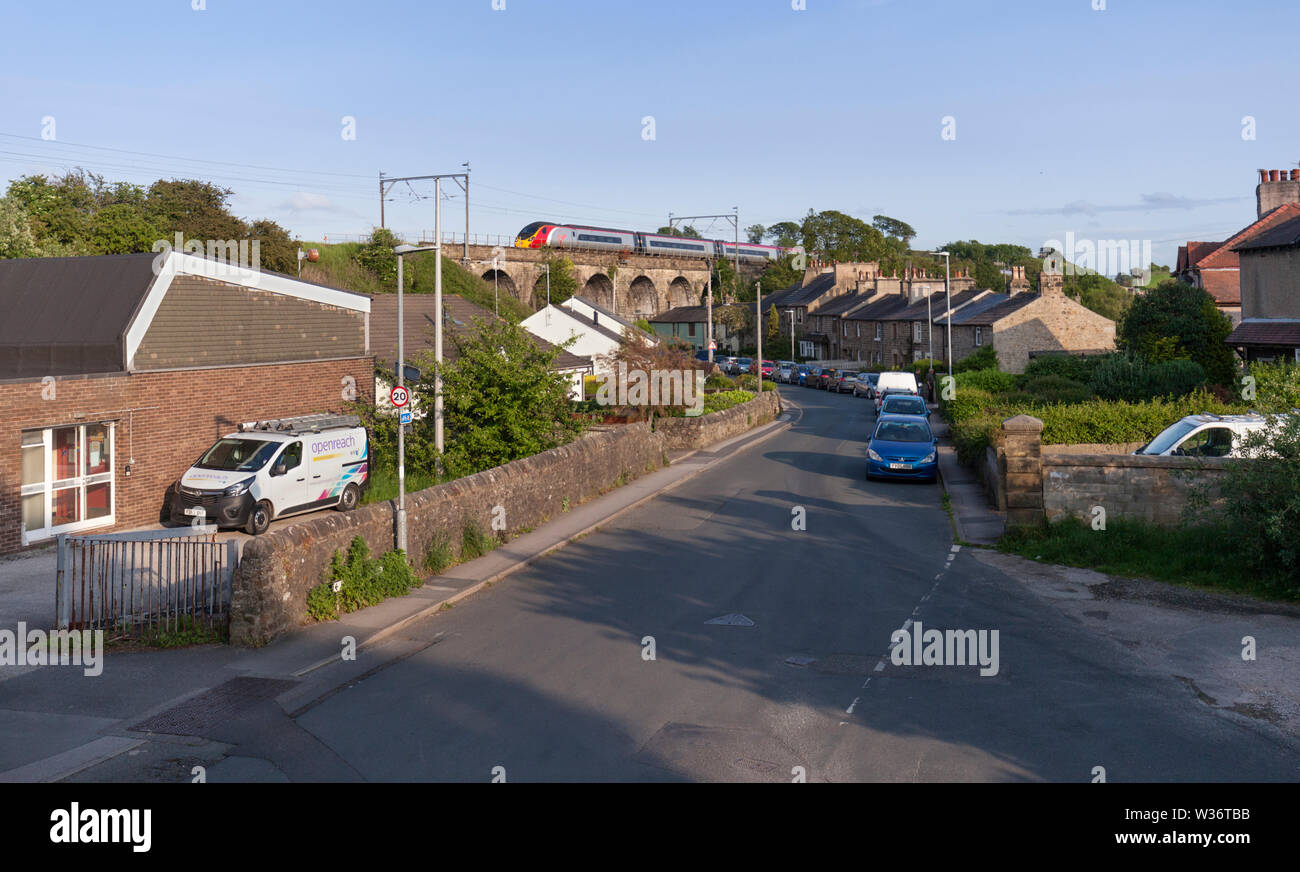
column 1124, row 123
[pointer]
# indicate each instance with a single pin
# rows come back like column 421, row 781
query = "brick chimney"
column 1051, row 281
column 1276, row 188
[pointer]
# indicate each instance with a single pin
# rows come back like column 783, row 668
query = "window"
column 877, row 331
column 67, row 480
column 858, row 328
column 979, row 335
column 292, row 456
column 845, row 331
column 916, row 331
column 692, row 330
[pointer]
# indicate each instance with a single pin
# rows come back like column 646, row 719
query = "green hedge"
column 1121, row 377
column 985, row 380
column 725, row 400
column 1072, row 366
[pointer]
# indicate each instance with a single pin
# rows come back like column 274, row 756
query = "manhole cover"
column 800, row 661
column 212, row 707
column 734, row 620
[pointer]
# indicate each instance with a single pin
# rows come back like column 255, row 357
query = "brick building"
column 1270, row 295
column 118, row 371
column 1216, row 266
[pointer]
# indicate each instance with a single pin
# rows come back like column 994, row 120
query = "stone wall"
column 685, row 434
column 278, row 568
column 1037, row 482
column 1151, row 489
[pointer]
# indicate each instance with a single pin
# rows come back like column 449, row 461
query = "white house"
column 599, row 331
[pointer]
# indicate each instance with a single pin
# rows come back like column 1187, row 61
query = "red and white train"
column 544, row 234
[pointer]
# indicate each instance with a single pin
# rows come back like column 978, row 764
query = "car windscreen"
column 1168, row 439
column 903, row 405
column 903, row 431
column 243, row 455
column 848, row 375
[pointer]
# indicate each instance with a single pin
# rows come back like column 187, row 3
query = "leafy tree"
column 842, row 237
column 786, row 234
column 1099, row 294
column 60, row 209
column 1188, row 315
column 754, row 233
column 502, row 401
column 988, row 275
column 199, row 210
column 278, row 250
column 16, row 236
column 687, row 231
column 900, row 230
column 122, row 228
column 564, row 284
column 376, row 255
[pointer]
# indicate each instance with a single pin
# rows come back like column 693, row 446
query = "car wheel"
column 259, row 519
column 348, row 501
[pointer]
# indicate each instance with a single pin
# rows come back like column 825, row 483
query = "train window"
column 591, row 237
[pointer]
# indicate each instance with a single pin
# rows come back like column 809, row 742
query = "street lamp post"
column 401, row 251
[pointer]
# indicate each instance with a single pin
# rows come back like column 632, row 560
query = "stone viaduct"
column 632, row 285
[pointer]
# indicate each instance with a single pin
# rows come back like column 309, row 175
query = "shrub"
column 1057, row 389
column 475, row 541
column 365, row 582
column 1125, row 377
column 1277, row 386
column 986, row 380
column 725, row 400
column 439, row 557
column 985, row 358
column 1072, row 366
column 921, row 367
column 719, row 381
column 1260, row 504
column 747, row 382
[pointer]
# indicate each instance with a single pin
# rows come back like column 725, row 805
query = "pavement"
column 975, row 520
column 54, row 724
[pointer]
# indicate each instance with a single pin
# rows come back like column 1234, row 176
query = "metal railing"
column 145, row 582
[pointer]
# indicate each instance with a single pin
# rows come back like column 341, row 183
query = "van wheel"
column 259, row 519
column 351, row 496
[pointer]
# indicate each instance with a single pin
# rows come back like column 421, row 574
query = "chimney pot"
column 1295, row 175
column 1263, row 176
column 1272, row 175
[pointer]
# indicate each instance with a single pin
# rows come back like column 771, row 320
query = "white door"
column 288, row 484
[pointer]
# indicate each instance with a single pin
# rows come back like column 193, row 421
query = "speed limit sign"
column 400, row 396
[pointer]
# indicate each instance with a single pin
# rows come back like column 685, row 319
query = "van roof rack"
column 301, row 424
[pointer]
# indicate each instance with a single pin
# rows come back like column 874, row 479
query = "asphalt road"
column 546, row 677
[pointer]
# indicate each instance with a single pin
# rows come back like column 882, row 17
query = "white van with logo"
column 1205, row 435
column 272, row 469
column 895, row 381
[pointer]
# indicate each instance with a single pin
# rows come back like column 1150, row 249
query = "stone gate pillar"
column 1022, row 438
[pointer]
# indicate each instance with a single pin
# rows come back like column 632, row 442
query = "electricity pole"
column 708, row 317
column 758, row 332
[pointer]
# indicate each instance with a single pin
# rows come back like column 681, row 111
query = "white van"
column 272, row 469
column 896, row 381
column 1205, row 435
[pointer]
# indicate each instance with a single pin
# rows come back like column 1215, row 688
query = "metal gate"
column 145, row 582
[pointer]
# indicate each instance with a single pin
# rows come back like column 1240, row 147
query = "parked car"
column 742, row 365
column 1205, row 435
column 767, row 369
column 725, row 361
column 895, row 379
column 844, row 380
column 904, row 404
column 890, row 392
column 825, row 378
column 784, row 371
column 270, row 469
column 902, row 446
column 811, row 375
column 802, row 373
column 866, row 385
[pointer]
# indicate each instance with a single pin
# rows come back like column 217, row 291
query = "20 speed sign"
column 400, row 396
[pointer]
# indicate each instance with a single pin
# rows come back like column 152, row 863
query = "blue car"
column 902, row 446
column 800, row 373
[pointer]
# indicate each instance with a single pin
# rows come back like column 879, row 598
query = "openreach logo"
column 77, row 825
column 658, row 387
column 1109, row 257
column 84, row 648
column 912, row 645
column 220, row 258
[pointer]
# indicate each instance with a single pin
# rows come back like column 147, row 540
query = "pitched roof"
column 1280, row 235
column 965, row 313
column 458, row 315
column 880, row 309
column 983, row 317
column 1225, row 256
column 682, row 315
column 845, row 304
column 1222, row 284
column 68, row 315
column 803, row 295
column 1197, row 251
column 1266, row 332
column 936, row 305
